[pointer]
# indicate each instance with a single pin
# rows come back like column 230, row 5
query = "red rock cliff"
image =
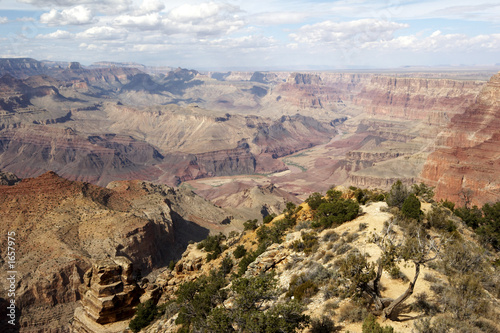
column 468, row 154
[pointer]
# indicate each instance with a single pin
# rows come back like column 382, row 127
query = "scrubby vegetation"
column 145, row 314
column 329, row 266
column 213, row 245
column 201, row 306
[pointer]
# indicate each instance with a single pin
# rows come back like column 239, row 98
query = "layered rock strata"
column 467, row 160
column 110, row 295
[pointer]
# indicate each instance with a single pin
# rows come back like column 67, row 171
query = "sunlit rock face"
column 468, row 157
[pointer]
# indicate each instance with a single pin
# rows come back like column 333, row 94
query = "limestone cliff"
column 468, row 154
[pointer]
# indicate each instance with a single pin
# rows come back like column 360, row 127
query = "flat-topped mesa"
column 110, row 294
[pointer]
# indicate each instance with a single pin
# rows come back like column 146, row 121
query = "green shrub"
column 268, row 218
column 213, row 245
column 370, row 325
column 335, row 212
column 239, row 252
column 146, row 313
column 250, row 224
column 448, row 204
column 423, row 191
column 197, row 298
column 323, row 325
column 315, row 200
column 301, row 289
column 352, row 313
column 226, row 265
column 397, row 195
column 411, row 207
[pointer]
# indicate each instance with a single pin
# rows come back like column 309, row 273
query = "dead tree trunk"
column 388, row 312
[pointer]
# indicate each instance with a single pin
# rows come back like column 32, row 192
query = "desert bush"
column 268, row 218
column 464, row 297
column 448, row 204
column 351, row 237
column 239, row 252
column 329, row 255
column 330, row 236
column 370, row 325
column 461, row 258
column 146, row 313
column 213, row 245
column 301, row 291
column 315, row 200
column 323, row 325
column 226, row 265
column 422, row 304
column 411, row 207
column 396, row 273
column 430, row 278
column 250, row 224
column 335, row 212
column 310, row 240
column 303, row 225
column 343, row 248
column 423, row 191
column 397, row 195
column 362, row 226
column 352, row 313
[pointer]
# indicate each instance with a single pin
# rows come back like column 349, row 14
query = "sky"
column 254, row 34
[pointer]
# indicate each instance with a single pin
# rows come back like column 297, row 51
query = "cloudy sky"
column 254, row 34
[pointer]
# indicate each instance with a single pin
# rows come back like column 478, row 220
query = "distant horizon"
column 404, row 68
column 316, row 34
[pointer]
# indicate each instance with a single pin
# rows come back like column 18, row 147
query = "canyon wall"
column 63, row 227
column 467, row 158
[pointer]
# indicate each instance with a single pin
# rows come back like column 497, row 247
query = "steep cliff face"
column 62, row 227
column 431, row 100
column 21, row 67
column 434, row 101
column 468, row 154
column 32, row 150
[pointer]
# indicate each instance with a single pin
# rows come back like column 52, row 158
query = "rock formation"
column 63, row 227
column 468, row 155
column 110, row 295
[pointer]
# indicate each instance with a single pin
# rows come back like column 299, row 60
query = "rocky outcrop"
column 21, row 67
column 64, row 227
column 31, row 151
column 468, row 155
column 434, row 101
column 8, row 178
column 110, row 295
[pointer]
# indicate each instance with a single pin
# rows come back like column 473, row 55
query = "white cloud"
column 102, row 33
column 203, row 20
column 59, row 34
column 150, row 6
column 245, row 42
column 439, row 42
column 105, row 6
column 72, row 16
column 359, row 31
column 143, row 22
column 3, row 20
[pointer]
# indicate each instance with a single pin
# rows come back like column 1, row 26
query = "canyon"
column 110, row 122
column 109, row 171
